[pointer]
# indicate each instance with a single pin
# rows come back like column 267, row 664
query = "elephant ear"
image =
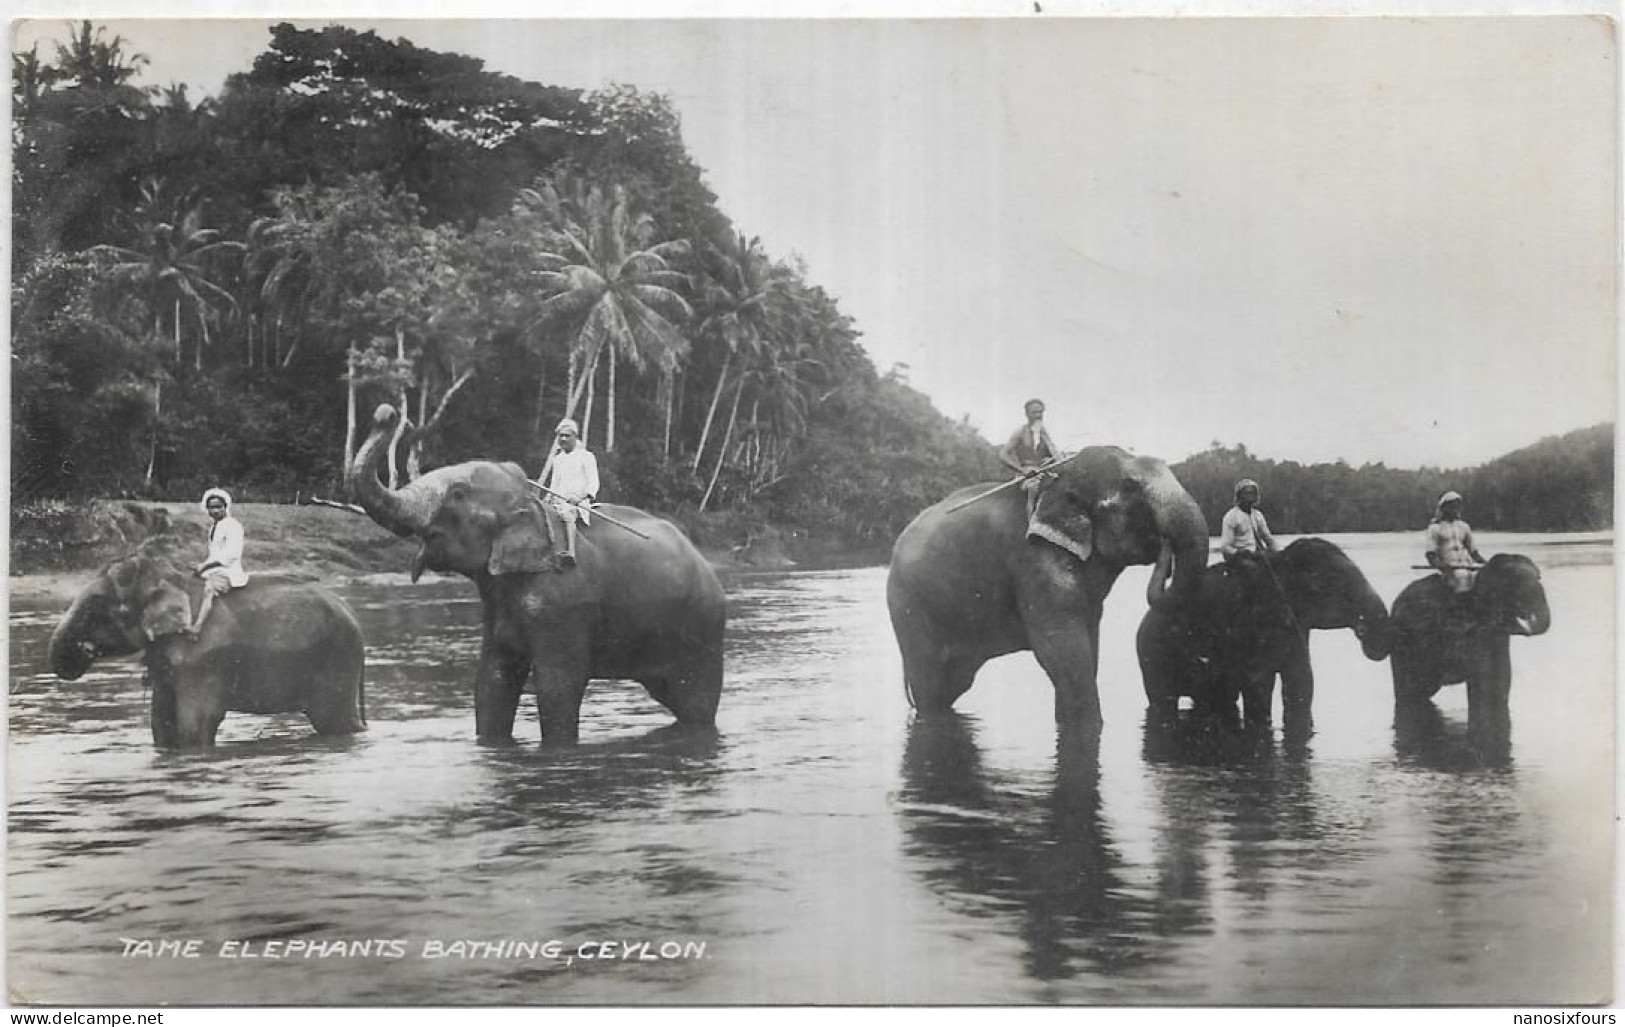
column 165, row 611
column 1062, row 520
column 522, row 544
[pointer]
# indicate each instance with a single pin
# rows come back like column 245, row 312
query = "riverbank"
column 55, row 547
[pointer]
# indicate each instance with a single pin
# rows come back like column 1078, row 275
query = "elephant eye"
column 459, row 493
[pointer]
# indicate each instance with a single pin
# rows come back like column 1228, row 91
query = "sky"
column 1361, row 239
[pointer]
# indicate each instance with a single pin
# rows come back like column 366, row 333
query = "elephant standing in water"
column 273, row 646
column 1250, row 625
column 1442, row 638
column 648, row 608
column 970, row 581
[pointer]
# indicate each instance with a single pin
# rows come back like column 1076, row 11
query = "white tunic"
column 574, row 477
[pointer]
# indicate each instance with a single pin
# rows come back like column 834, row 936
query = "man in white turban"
column 222, row 570
column 572, row 477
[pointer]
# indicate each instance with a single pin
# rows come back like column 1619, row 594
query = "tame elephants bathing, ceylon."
column 1250, row 625
column 643, row 606
column 273, row 646
column 970, row 581
column 1444, row 638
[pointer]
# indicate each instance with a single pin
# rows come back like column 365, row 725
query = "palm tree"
column 172, row 262
column 741, row 291
column 775, row 373
column 607, row 285
column 90, row 61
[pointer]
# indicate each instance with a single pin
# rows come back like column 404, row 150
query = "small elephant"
column 643, row 606
column 1251, row 624
column 275, row 645
column 975, row 578
column 1443, row 638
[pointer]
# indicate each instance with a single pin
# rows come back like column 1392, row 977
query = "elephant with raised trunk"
column 1442, row 638
column 970, row 581
column 643, row 606
column 1251, row 625
column 276, row 645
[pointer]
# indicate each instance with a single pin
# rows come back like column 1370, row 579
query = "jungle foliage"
column 222, row 291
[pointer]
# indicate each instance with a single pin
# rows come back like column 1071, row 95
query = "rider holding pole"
column 1029, row 449
column 571, row 480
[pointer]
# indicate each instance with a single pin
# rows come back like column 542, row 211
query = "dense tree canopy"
column 221, row 292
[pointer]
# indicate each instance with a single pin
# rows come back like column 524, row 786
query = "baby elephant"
column 275, row 645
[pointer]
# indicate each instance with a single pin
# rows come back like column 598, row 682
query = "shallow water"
column 824, row 848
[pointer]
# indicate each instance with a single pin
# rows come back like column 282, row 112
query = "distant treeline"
column 1563, row 483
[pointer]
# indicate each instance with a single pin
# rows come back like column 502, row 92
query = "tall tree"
column 741, row 288
column 610, row 287
column 175, row 259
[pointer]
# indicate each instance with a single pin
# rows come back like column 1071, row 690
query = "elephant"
column 644, row 606
column 1441, row 638
column 275, row 645
column 972, row 579
column 1239, row 635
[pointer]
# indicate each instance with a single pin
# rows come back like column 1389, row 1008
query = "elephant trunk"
column 1184, row 551
column 402, row 513
column 1373, row 629
column 70, row 654
column 1536, row 621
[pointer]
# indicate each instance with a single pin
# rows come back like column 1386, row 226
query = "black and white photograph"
column 991, row 505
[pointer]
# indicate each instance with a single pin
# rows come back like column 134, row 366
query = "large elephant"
column 970, row 581
column 1250, row 625
column 1442, row 638
column 649, row 609
column 276, row 645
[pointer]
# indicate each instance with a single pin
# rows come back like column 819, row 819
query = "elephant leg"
column 336, row 705
column 1154, row 646
column 337, row 710
column 693, row 691
column 498, row 685
column 560, row 687
column 937, row 680
column 1258, row 696
column 164, row 734
column 199, row 709
column 1415, row 678
column 1489, row 690
column 1069, row 657
column 1298, row 684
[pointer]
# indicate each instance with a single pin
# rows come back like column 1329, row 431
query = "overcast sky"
column 1360, row 239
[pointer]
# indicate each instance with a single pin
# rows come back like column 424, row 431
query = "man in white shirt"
column 572, row 475
column 222, row 570
column 1244, row 530
column 1450, row 545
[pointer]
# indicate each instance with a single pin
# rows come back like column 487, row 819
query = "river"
column 824, row 848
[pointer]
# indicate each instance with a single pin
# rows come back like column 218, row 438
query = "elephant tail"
column 361, row 693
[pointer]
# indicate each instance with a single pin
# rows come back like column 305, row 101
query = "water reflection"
column 1037, row 853
column 1424, row 737
column 1252, row 793
column 827, row 848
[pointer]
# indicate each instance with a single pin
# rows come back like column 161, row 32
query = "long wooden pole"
column 590, row 509
column 1056, row 462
